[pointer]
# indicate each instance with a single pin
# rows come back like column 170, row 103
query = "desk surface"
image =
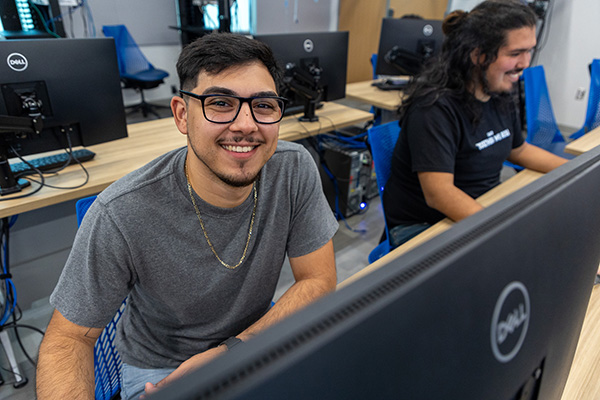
column 148, row 140
column 584, row 378
column 584, row 143
column 366, row 93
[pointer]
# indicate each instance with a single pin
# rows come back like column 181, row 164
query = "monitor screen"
column 315, row 66
column 73, row 83
column 490, row 309
column 405, row 44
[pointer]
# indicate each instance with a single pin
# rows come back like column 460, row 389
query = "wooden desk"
column 332, row 116
column 146, row 141
column 584, row 143
column 584, row 379
column 363, row 91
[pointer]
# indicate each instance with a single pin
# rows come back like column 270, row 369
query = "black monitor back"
column 405, row 44
column 330, row 49
column 490, row 309
column 77, row 84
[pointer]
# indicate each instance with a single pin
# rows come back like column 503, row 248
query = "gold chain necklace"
column 204, row 230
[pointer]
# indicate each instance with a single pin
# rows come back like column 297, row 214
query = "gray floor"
column 357, row 236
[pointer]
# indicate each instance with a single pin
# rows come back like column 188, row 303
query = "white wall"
column 571, row 45
column 288, row 16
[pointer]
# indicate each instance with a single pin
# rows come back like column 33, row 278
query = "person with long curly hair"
column 459, row 120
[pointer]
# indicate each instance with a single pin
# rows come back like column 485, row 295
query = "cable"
column 543, row 34
column 15, row 326
column 90, row 17
column 42, row 183
column 42, row 19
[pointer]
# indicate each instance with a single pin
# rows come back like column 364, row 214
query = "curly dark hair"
column 216, row 52
column 452, row 72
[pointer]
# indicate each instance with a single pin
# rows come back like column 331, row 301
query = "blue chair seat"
column 148, row 75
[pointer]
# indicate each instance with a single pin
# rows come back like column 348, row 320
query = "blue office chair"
column 542, row 129
column 107, row 362
column 382, row 139
column 134, row 69
column 592, row 116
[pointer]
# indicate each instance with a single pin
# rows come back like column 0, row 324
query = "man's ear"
column 179, row 109
column 476, row 57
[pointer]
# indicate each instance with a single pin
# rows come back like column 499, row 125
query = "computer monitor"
column 490, row 309
column 405, row 44
column 69, row 87
column 315, row 65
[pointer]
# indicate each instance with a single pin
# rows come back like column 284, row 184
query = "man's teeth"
column 239, row 149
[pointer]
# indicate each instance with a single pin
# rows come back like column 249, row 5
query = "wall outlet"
column 580, row 93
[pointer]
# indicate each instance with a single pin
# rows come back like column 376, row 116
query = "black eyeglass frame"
column 242, row 100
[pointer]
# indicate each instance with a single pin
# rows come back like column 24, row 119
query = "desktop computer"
column 352, row 181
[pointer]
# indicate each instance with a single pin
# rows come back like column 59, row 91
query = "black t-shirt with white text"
column 441, row 138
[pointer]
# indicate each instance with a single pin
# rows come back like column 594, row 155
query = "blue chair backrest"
column 82, row 206
column 130, row 57
column 382, row 139
column 542, row 129
column 107, row 362
column 374, row 64
column 592, row 116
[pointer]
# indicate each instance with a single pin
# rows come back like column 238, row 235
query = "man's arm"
column 314, row 275
column 65, row 367
column 442, row 195
column 535, row 158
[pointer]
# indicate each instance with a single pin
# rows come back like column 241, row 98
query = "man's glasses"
column 223, row 109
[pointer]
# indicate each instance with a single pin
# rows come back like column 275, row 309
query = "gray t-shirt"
column 141, row 238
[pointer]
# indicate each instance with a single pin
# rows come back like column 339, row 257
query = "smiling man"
column 459, row 120
column 195, row 239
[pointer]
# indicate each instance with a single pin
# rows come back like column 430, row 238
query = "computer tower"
column 351, row 179
column 370, row 181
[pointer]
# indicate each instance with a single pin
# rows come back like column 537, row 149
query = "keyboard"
column 391, row 84
column 52, row 162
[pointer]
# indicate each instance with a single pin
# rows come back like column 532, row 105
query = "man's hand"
column 187, row 366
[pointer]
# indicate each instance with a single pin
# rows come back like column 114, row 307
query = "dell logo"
column 17, row 62
column 428, row 30
column 510, row 321
column 308, row 45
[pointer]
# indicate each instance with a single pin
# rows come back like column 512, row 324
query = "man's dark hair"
column 485, row 29
column 216, row 52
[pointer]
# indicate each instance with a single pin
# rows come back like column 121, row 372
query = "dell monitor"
column 314, row 66
column 490, row 309
column 406, row 44
column 57, row 94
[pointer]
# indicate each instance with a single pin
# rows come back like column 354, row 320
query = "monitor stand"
column 10, row 125
column 310, row 107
